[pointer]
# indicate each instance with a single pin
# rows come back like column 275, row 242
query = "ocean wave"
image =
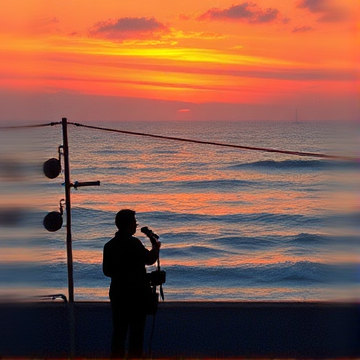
column 88, row 213
column 308, row 239
column 185, row 236
column 101, row 169
column 265, row 218
column 163, row 151
column 119, row 152
column 273, row 242
column 287, row 273
column 246, row 243
column 200, row 186
column 220, row 185
column 192, row 251
column 182, row 218
column 297, row 164
column 108, row 152
column 89, row 216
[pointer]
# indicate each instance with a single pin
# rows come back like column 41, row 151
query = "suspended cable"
column 297, row 153
column 172, row 138
column 29, row 126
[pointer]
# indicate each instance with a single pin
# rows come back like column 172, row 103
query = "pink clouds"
column 314, row 5
column 247, row 12
column 302, row 29
column 128, row 28
column 325, row 9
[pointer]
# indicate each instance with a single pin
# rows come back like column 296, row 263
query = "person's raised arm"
column 153, row 254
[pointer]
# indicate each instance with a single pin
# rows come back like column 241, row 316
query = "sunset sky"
column 182, row 60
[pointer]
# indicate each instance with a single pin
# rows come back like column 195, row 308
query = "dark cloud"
column 246, row 11
column 234, row 12
column 326, row 11
column 127, row 27
column 314, row 5
column 302, row 29
column 267, row 16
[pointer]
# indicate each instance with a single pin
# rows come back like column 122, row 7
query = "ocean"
column 235, row 225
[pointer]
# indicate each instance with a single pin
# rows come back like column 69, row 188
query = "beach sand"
column 186, row 330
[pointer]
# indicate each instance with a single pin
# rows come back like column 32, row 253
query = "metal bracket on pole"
column 77, row 184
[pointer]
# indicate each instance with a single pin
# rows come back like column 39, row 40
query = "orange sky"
column 191, row 60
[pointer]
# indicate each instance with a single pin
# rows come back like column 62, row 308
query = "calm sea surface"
column 234, row 224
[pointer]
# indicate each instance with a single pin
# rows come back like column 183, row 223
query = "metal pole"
column 68, row 211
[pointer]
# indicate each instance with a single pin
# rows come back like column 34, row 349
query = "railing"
column 51, row 297
column 28, row 299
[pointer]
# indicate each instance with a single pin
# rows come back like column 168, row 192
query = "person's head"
column 125, row 221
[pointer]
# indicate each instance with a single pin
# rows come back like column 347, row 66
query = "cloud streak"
column 302, row 29
column 128, row 28
column 244, row 12
column 292, row 74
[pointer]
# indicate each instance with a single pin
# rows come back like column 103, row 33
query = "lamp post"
column 68, row 211
column 53, row 221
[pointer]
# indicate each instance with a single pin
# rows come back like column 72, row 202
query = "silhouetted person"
column 124, row 260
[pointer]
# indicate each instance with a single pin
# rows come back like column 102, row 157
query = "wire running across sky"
column 173, row 138
column 15, row 127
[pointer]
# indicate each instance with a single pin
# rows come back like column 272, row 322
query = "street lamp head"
column 52, row 168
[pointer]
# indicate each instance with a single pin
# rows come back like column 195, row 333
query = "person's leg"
column 120, row 327
column 136, row 335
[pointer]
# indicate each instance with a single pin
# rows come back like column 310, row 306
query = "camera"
column 149, row 233
column 157, row 277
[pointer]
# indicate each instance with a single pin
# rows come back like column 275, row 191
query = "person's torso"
column 127, row 259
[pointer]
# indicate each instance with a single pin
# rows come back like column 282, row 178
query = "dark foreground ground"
column 186, row 330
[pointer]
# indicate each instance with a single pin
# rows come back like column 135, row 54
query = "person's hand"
column 156, row 244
